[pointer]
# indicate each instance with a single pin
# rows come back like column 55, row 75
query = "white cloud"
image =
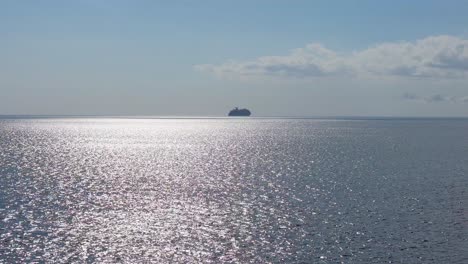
column 431, row 57
column 312, row 61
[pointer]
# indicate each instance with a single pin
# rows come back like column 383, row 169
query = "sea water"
column 236, row 190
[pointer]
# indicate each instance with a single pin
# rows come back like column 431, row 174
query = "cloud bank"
column 431, row 57
column 436, row 98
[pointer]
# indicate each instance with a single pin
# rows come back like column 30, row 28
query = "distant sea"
column 239, row 190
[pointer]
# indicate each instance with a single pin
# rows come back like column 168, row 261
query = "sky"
column 202, row 58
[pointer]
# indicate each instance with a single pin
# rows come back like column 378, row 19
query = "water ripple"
column 249, row 191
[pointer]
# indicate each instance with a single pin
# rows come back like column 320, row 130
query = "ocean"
column 240, row 190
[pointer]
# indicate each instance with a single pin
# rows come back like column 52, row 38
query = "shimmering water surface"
column 233, row 190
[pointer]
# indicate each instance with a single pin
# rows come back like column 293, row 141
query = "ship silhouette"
column 239, row 112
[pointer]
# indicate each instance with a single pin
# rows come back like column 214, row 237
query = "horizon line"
column 336, row 117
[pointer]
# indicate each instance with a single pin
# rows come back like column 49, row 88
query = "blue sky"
column 279, row 58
